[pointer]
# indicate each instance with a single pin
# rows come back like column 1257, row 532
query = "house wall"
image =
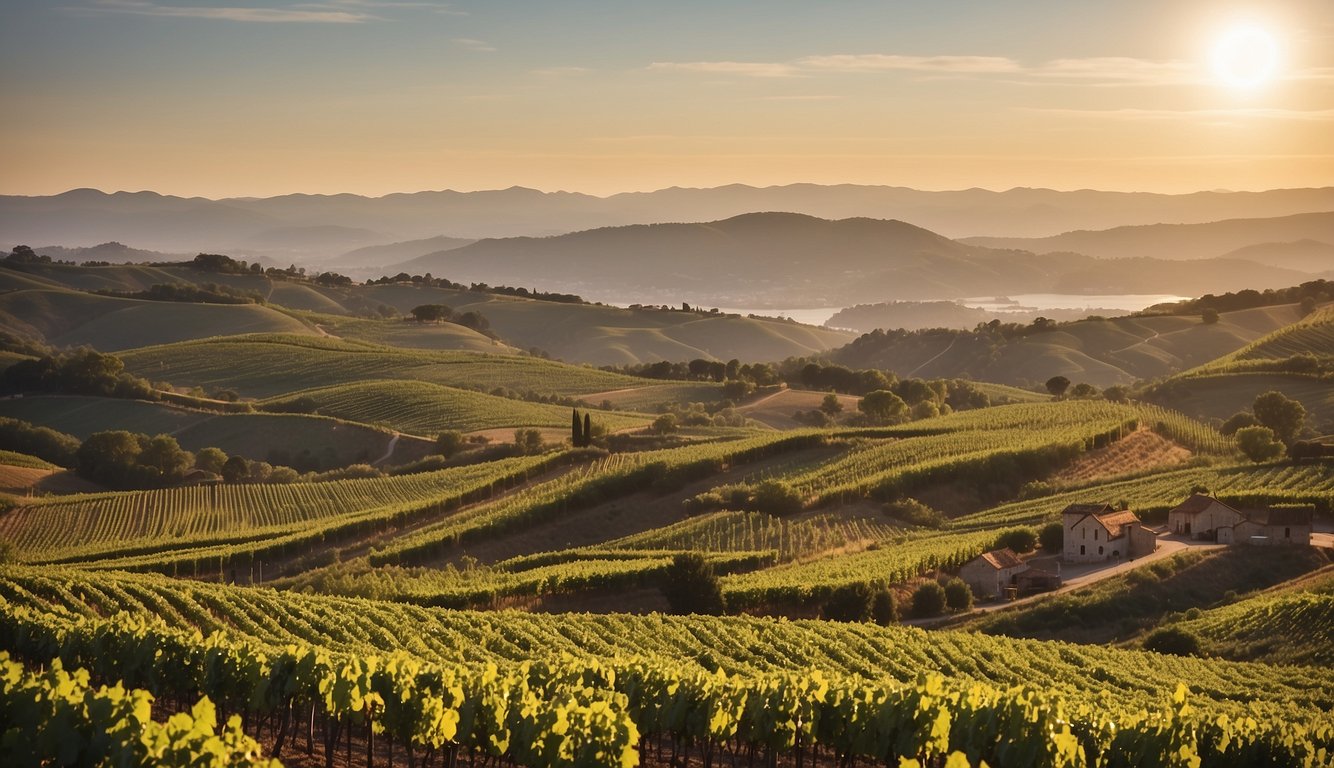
column 1142, row 541
column 1089, row 535
column 1288, row 535
column 1203, row 524
column 987, row 581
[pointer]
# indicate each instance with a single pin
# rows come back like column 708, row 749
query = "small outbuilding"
column 1201, row 517
column 1280, row 527
column 1097, row 532
column 990, row 573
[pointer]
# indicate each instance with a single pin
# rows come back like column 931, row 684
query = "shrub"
column 884, row 608
column 691, row 586
column 775, row 497
column 914, row 512
column 928, row 600
column 958, row 595
column 850, row 602
column 1020, row 540
column 1052, row 537
column 1259, row 443
column 1173, row 641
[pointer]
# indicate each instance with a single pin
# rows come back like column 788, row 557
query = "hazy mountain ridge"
column 164, row 222
column 787, row 259
column 1178, row 241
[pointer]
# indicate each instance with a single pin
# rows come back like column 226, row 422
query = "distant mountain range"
column 788, row 259
column 1264, row 238
column 318, row 228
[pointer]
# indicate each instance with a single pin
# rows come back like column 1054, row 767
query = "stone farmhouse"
column 991, row 573
column 1200, row 517
column 1284, row 527
column 1097, row 533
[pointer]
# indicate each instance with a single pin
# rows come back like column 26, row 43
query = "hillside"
column 1297, row 360
column 304, row 441
column 1102, row 352
column 67, row 318
column 1187, row 241
column 381, row 255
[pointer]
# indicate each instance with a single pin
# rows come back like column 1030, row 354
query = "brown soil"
column 1139, row 451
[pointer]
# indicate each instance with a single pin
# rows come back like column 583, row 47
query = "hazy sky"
column 240, row 97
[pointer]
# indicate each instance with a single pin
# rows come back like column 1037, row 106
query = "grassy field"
column 1287, row 624
column 67, row 318
column 419, row 408
column 287, row 438
column 407, row 333
column 267, row 366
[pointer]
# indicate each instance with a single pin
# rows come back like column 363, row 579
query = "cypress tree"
column 588, row 431
column 576, row 434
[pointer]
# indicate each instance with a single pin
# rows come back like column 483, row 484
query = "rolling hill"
column 1102, row 352
column 1187, row 241
column 381, row 255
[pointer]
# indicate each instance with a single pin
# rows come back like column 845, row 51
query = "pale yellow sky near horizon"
column 238, row 98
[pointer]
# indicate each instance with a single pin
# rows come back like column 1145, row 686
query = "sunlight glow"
column 1245, row 57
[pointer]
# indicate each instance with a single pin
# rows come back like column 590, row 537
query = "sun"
column 1245, row 57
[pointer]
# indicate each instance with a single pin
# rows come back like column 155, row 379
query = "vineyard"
column 270, row 365
column 419, row 408
column 609, row 690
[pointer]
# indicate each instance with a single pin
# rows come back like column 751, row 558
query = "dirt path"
column 1077, row 576
column 393, row 443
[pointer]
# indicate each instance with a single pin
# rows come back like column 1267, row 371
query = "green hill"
column 1099, row 351
column 420, row 408
column 68, row 318
column 268, row 366
column 313, row 442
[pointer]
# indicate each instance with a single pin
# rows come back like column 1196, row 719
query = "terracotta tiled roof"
column 1115, row 522
column 1001, row 559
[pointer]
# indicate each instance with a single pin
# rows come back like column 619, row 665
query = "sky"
column 222, row 98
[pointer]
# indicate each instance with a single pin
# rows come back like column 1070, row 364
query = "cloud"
column 298, row 15
column 1209, row 115
column 745, row 68
column 881, row 62
column 472, row 44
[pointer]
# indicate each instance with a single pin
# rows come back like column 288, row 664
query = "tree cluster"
column 79, row 372
column 208, row 293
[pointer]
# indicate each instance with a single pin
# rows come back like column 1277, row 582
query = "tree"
column 588, row 430
column 449, row 442
column 576, row 429
column 1209, row 316
column 529, row 441
column 1259, row 443
column 1280, row 413
column 1236, row 421
column 1173, row 641
column 884, row 608
column 926, row 409
column 850, row 602
column 691, row 586
column 958, row 595
column 776, row 497
column 1020, row 540
column 431, row 313
column 883, row 407
column 104, row 455
column 1117, row 393
column 664, row 424
column 235, row 469
column 1084, row 391
column 1052, row 537
column 830, row 405
column 1057, row 385
column 928, row 600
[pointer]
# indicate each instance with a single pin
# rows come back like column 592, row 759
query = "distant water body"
column 1126, row 302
